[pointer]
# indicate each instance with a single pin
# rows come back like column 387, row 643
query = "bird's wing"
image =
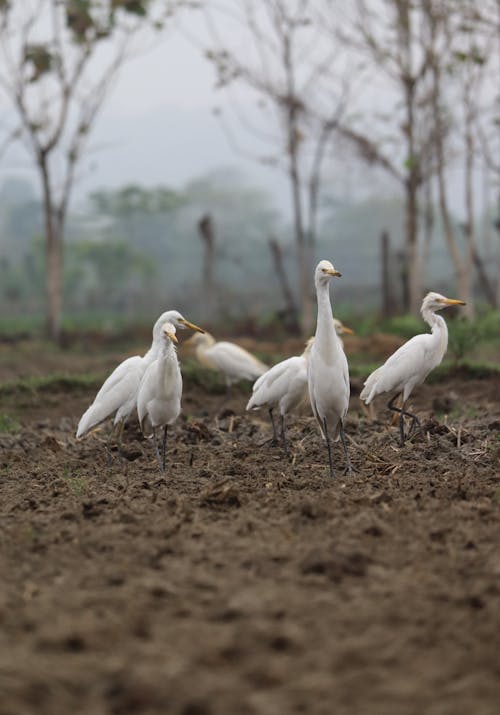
column 235, row 361
column 273, row 384
column 146, row 391
column 410, row 359
column 274, row 373
column 120, row 390
column 128, row 365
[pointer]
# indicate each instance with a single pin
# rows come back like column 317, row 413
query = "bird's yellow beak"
column 452, row 301
column 331, row 272
column 172, row 336
column 348, row 331
column 191, row 326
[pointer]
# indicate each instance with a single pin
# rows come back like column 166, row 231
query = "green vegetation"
column 51, row 383
column 9, row 424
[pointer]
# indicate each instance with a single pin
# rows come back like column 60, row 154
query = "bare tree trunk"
column 54, row 255
column 461, row 272
column 387, row 298
column 473, row 257
column 207, row 234
column 291, row 308
column 411, row 186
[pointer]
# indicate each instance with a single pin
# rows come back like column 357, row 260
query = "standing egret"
column 327, row 370
column 412, row 362
column 118, row 395
column 160, row 391
column 285, row 385
column 234, row 362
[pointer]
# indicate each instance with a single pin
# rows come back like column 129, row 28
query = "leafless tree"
column 59, row 60
column 390, row 34
column 282, row 52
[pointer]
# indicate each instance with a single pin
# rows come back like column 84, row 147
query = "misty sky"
column 158, row 127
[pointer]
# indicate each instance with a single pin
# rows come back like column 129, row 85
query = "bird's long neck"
column 167, row 359
column 439, row 330
column 325, row 331
column 204, row 343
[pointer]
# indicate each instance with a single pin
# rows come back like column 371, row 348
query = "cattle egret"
column 160, row 391
column 118, row 395
column 412, row 362
column 327, row 370
column 234, row 362
column 285, row 385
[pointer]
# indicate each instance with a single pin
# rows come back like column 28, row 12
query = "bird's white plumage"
column 327, row 369
column 118, row 394
column 284, row 385
column 233, row 361
column 160, row 390
column 413, row 361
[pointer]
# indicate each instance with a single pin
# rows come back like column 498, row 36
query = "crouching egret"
column 118, row 395
column 160, row 391
column 327, row 370
column 412, row 362
column 285, row 385
column 234, row 362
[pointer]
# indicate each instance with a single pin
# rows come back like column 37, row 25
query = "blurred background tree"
column 60, row 62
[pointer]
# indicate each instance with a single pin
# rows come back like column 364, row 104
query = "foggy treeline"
column 406, row 90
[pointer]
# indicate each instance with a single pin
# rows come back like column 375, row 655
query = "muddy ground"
column 241, row 583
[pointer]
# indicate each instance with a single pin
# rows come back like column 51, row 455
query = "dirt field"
column 241, row 583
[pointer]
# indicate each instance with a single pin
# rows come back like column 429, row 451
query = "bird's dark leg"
column 275, row 434
column 157, row 451
column 329, row 447
column 402, row 413
column 393, row 407
column 348, row 467
column 119, row 436
column 164, row 447
column 283, row 435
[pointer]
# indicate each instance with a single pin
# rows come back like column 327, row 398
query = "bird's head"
column 324, row 271
column 436, row 301
column 176, row 319
column 168, row 332
column 341, row 329
column 203, row 340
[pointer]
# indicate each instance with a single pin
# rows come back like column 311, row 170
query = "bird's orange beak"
column 348, row 331
column 172, row 336
column 331, row 272
column 191, row 326
column 452, row 301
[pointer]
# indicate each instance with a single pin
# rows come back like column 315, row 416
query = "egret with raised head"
column 412, row 362
column 327, row 369
column 160, row 392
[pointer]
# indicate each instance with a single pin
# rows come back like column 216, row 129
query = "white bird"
column 160, row 392
column 234, row 362
column 285, row 385
column 412, row 362
column 118, row 395
column 327, row 369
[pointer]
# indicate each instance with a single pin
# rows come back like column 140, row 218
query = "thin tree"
column 59, row 60
column 289, row 62
column 389, row 34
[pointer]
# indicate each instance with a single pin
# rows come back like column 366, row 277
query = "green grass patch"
column 8, row 424
column 51, row 383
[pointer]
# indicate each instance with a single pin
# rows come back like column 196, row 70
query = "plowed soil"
column 243, row 583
